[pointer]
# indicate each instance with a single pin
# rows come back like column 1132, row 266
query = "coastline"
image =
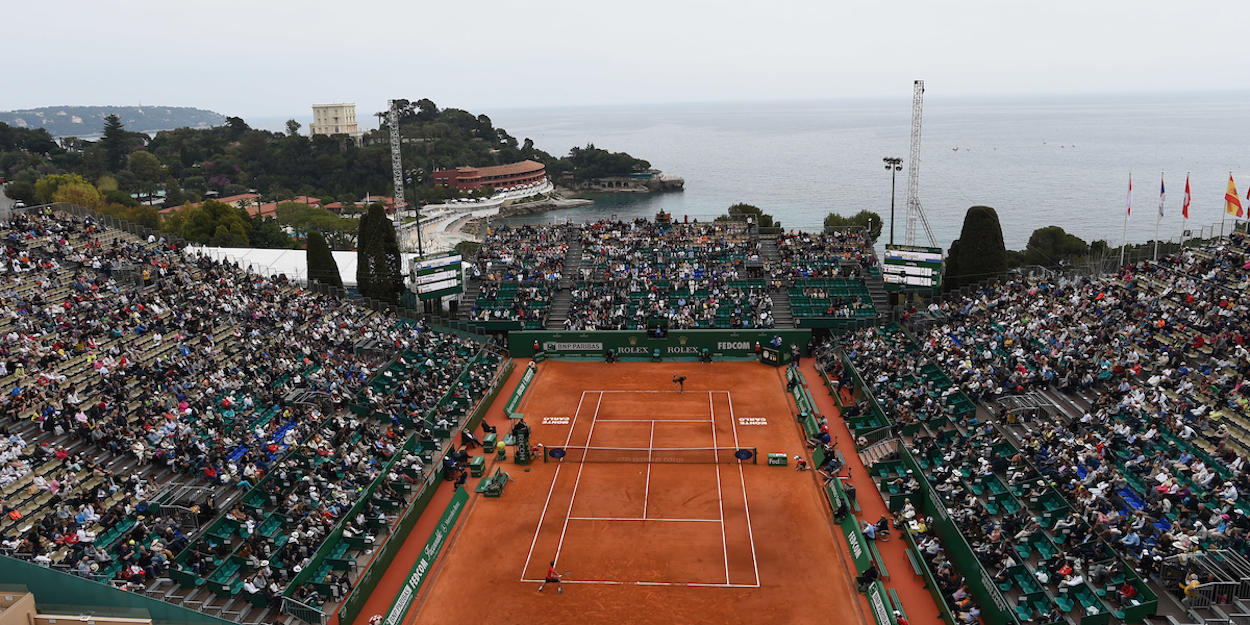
column 511, row 208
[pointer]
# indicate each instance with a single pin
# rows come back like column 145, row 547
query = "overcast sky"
column 261, row 58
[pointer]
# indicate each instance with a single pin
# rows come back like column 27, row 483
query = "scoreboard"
column 437, row 275
column 910, row 268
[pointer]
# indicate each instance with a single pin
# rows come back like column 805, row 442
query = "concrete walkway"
column 917, row 602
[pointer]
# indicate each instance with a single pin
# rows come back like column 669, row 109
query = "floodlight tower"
column 397, row 166
column 914, row 212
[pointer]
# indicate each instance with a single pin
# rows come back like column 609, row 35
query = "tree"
column 209, row 222
column 147, row 171
column 21, row 190
column 1051, row 247
column 864, row 219
column 81, row 194
column 292, row 128
column 321, row 264
column 468, row 249
column 267, row 233
column 134, row 213
column 114, row 196
column 173, row 193
column 979, row 252
column 46, row 187
column 116, row 144
column 740, row 211
column 378, row 264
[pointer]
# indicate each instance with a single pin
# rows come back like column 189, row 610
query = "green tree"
column 979, row 252
column 82, row 194
column 47, row 186
column 292, row 128
column 1051, row 247
column 114, row 196
column 321, row 264
column 378, row 264
column 135, row 213
column 740, row 212
column 115, row 142
column 21, row 190
column 210, row 223
column 147, row 170
column 864, row 219
column 268, row 233
column 468, row 249
column 173, row 193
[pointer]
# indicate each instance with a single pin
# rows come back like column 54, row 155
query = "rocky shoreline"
column 555, row 201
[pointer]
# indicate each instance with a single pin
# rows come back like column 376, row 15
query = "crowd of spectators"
column 517, row 270
column 688, row 275
column 822, row 255
column 120, row 359
column 1150, row 468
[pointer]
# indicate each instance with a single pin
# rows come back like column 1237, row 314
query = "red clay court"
column 649, row 514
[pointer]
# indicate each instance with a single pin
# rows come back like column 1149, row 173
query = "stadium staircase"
column 880, row 300
column 886, row 449
column 468, row 299
column 571, row 271
column 783, row 315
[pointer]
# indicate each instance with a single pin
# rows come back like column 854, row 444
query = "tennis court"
column 656, row 505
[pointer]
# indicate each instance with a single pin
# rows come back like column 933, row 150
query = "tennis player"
column 553, row 577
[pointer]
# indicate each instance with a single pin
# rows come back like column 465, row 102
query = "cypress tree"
column 378, row 265
column 114, row 142
column 979, row 252
column 321, row 264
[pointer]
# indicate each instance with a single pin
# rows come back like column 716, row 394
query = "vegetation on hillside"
column 863, row 219
column 188, row 165
column 64, row 121
column 740, row 212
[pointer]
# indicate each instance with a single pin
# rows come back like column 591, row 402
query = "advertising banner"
column 399, row 608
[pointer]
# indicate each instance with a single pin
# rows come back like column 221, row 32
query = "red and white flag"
column 1130, row 197
column 1185, row 206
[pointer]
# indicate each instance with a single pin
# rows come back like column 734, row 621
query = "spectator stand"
column 948, row 466
column 283, row 439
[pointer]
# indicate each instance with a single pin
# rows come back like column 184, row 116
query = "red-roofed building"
column 250, row 203
column 499, row 177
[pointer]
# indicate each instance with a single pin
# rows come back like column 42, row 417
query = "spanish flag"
column 1232, row 203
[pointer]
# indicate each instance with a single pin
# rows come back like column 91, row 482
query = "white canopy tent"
column 292, row 263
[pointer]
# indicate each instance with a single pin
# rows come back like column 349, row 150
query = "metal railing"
column 303, row 612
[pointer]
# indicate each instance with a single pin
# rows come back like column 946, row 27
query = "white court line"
column 538, row 529
column 577, row 481
column 720, row 501
column 613, row 518
column 673, row 392
column 608, row 582
column 743, row 478
column 650, row 451
column 654, row 420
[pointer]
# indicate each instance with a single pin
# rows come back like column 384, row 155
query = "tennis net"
column 652, row 455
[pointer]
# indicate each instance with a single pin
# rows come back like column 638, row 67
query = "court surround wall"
column 636, row 344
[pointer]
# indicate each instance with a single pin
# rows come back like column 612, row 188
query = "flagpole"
column 1185, row 211
column 1124, row 236
column 1224, row 217
column 1159, row 218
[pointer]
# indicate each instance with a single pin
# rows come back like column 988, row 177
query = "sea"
column 1039, row 161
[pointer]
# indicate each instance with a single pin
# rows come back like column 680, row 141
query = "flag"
column 1161, row 196
column 1185, row 205
column 1232, row 203
column 1130, row 197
